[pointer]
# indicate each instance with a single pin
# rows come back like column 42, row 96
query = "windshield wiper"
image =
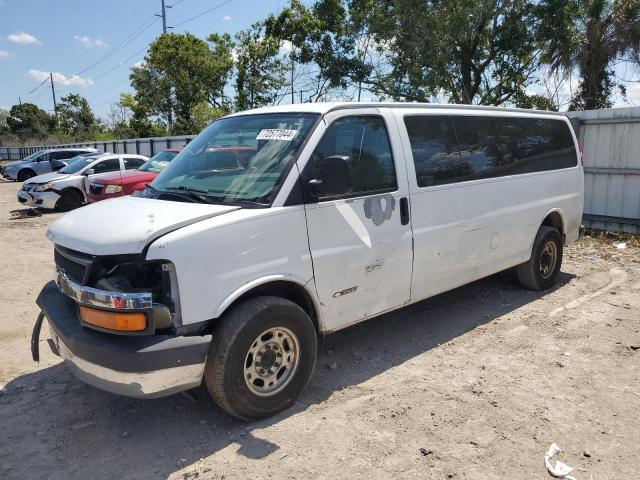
column 190, row 193
column 247, row 203
column 191, row 189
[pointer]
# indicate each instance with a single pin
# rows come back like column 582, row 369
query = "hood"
column 125, row 178
column 126, row 224
column 14, row 163
column 47, row 177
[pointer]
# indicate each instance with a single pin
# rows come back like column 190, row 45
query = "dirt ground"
column 472, row 384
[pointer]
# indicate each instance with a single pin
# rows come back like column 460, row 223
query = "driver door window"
column 365, row 143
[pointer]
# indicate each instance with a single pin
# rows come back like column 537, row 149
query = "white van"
column 228, row 271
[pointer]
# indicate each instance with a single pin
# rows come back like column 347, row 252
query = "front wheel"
column 69, row 200
column 261, row 358
column 25, row 174
column 541, row 270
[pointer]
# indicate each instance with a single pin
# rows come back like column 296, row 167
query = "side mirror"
column 91, row 171
column 336, row 177
column 57, row 165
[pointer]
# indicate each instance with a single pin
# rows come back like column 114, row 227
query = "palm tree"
column 590, row 35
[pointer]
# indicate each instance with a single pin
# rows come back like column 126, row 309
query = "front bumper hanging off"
column 143, row 366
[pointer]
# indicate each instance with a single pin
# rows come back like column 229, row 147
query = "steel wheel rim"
column 548, row 259
column 272, row 361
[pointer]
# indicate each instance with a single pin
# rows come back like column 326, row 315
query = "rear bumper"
column 137, row 366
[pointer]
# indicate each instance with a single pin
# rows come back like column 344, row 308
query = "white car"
column 338, row 213
column 67, row 188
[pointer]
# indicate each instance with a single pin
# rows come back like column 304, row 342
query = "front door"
column 361, row 243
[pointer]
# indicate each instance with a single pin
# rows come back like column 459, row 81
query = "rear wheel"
column 541, row 270
column 69, row 200
column 26, row 174
column 261, row 358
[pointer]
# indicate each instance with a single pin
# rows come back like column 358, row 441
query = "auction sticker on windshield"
column 276, row 134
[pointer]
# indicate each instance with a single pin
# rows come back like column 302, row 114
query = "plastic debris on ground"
column 559, row 470
column 620, row 245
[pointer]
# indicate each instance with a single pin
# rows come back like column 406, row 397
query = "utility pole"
column 53, row 92
column 293, row 93
column 164, row 16
column 20, row 100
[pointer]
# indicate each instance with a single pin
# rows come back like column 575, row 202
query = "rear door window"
column 434, row 148
column 110, row 165
column 133, row 163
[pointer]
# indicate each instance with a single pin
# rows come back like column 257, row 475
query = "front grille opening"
column 74, row 270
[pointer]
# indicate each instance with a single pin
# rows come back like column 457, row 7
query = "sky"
column 69, row 38
column 89, row 46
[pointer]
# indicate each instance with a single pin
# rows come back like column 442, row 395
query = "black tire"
column 70, row 200
column 541, row 271
column 25, row 174
column 239, row 331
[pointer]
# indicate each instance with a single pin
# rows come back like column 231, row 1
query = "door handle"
column 404, row 210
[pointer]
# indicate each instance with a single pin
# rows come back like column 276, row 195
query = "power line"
column 203, row 13
column 147, row 24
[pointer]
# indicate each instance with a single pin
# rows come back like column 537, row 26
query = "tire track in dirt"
column 617, row 278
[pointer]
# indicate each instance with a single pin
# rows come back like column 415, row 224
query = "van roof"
column 325, row 107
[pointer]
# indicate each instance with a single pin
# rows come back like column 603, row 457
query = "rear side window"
column 365, row 141
column 133, row 163
column 434, row 148
column 499, row 146
column 448, row 149
column 111, row 165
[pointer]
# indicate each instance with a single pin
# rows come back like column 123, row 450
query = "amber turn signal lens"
column 125, row 322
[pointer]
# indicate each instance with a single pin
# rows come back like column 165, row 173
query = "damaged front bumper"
column 143, row 366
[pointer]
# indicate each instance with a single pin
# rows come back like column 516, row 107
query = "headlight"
column 113, row 189
column 43, row 187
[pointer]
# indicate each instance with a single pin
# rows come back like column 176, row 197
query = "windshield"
column 158, row 162
column 76, row 164
column 238, row 159
column 32, row 157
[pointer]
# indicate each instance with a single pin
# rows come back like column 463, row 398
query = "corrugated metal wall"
column 610, row 139
column 611, row 143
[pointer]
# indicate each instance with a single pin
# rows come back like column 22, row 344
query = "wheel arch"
column 283, row 286
column 25, row 169
column 72, row 188
column 554, row 218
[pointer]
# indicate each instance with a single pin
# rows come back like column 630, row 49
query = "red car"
column 129, row 181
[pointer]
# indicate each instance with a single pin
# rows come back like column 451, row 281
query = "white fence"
column 611, row 143
column 610, row 138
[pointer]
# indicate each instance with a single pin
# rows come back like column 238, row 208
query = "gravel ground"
column 472, row 384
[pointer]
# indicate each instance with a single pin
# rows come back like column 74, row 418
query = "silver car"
column 40, row 162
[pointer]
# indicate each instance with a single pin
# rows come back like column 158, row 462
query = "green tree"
column 260, row 69
column 470, row 51
column 325, row 37
column 590, row 35
column 27, row 121
column 76, row 119
column 179, row 73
